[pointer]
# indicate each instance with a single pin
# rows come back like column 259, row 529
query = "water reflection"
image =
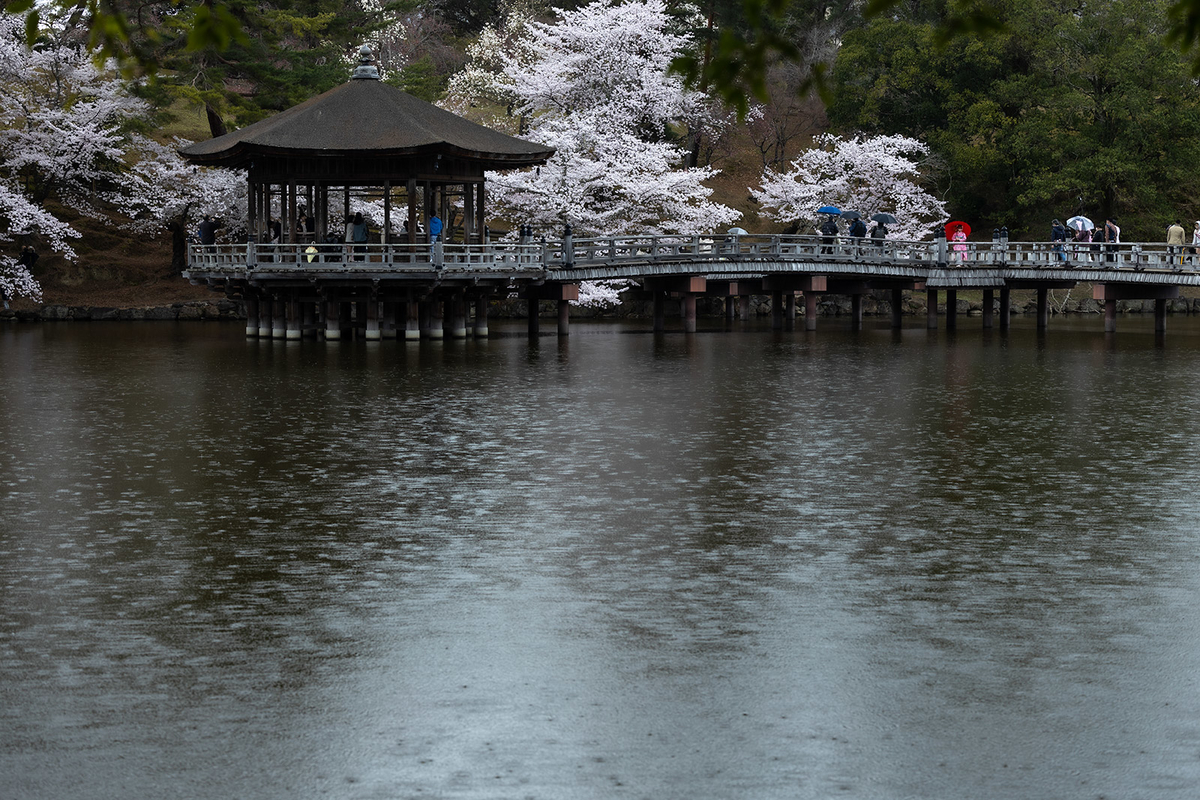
column 861, row 563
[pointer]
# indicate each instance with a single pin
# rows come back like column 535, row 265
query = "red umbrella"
column 952, row 226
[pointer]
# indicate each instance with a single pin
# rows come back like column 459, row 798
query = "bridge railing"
column 1072, row 255
column 635, row 250
column 314, row 256
column 592, row 252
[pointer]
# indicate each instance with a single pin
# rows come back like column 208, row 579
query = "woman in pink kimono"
column 959, row 238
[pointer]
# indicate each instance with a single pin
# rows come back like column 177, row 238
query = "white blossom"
column 864, row 174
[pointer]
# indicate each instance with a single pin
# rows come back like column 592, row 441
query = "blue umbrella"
column 828, row 210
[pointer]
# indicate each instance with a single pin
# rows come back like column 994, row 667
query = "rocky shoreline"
column 914, row 305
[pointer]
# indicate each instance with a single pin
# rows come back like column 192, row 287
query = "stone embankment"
column 195, row 310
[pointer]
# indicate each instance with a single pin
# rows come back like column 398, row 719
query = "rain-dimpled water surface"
column 736, row 564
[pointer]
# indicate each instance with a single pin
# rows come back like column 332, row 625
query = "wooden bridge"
column 426, row 290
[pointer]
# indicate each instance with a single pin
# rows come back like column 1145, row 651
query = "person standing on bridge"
column 959, row 237
column 1175, row 243
column 435, row 228
column 1112, row 235
column 828, row 230
column 1058, row 235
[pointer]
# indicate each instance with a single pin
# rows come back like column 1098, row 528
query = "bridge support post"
column 412, row 321
column 1110, row 316
column 789, row 309
column 688, row 309
column 810, row 311
column 360, row 320
column 293, row 320
column 251, row 315
column 660, row 311
column 931, row 309
column 856, row 310
column 279, row 323
column 564, row 317
column 987, row 308
column 1005, row 308
column 534, row 323
column 333, row 325
column 372, row 320
column 1043, row 309
column 897, row 307
column 777, row 310
column 1160, row 315
column 481, row 314
column 744, row 307
column 951, row 309
column 265, row 310
column 730, row 308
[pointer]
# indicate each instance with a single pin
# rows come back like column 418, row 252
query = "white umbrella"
column 1080, row 224
column 738, row 231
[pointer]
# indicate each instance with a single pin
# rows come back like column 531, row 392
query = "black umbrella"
column 851, row 215
column 884, row 219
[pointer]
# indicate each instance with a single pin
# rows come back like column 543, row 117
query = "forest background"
column 1025, row 110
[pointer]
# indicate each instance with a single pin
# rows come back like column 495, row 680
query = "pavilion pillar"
column 265, row 310
column 856, row 310
column 660, row 311
column 534, row 322
column 251, row 303
column 482, row 221
column 810, row 311
column 1005, row 307
column 1110, row 316
column 468, row 212
column 458, row 326
column 333, row 323
column 1043, row 309
column 292, row 236
column 308, row 321
column 988, row 301
column 435, row 330
column 251, row 204
column 412, row 320
column 411, row 190
column 279, row 319
column 387, row 325
column 931, row 301
column 1160, row 315
column 897, row 308
column 951, row 309
column 293, row 319
column 564, row 317
column 688, row 311
column 481, row 317
column 371, row 318
column 386, row 235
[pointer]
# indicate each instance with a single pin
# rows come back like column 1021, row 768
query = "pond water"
column 735, row 564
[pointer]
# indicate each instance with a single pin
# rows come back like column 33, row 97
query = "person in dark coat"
column 828, row 230
column 208, row 230
column 1058, row 235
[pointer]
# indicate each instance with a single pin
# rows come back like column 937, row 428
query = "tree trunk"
column 178, row 228
column 216, row 125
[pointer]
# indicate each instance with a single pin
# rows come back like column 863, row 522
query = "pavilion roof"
column 367, row 118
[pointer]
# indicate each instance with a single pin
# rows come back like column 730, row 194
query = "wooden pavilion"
column 367, row 138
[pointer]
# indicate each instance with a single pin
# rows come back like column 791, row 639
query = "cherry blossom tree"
column 866, row 174
column 62, row 134
column 595, row 85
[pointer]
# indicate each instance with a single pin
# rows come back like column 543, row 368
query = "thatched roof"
column 367, row 118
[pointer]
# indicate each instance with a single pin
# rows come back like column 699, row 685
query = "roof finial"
column 366, row 70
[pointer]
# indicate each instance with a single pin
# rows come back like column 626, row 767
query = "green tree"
column 1068, row 108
